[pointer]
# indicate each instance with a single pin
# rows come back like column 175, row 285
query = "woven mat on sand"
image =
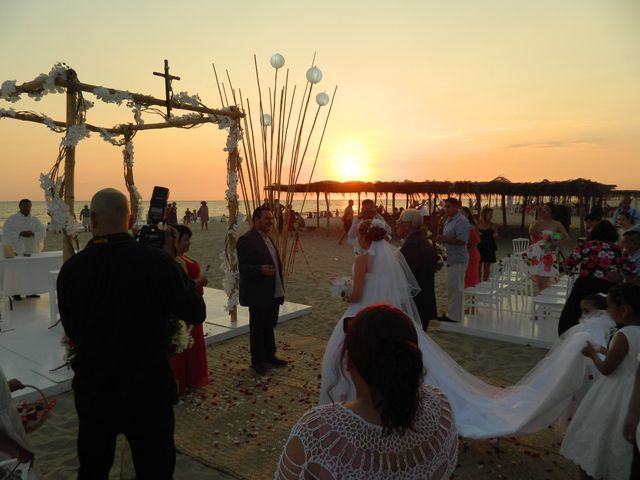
column 239, row 422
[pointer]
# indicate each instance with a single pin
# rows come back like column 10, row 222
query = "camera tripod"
column 297, row 246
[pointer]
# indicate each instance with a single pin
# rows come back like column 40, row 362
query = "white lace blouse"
column 339, row 444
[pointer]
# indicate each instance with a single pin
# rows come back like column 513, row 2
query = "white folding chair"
column 520, row 246
column 547, row 307
column 485, row 295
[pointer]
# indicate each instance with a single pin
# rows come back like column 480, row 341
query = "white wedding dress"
column 481, row 410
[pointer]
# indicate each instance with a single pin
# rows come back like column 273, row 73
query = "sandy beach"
column 319, row 259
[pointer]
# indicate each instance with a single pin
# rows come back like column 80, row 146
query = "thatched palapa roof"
column 499, row 186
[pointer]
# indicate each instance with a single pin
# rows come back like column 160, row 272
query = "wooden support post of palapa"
column 318, row 209
column 70, row 159
column 504, row 216
column 524, row 212
column 326, row 199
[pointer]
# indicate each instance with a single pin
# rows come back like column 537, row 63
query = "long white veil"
column 481, row 410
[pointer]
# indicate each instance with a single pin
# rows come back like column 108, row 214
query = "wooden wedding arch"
column 59, row 186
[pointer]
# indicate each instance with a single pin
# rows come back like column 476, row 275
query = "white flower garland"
column 61, row 218
column 108, row 137
column 128, row 154
column 48, row 121
column 186, row 99
column 75, row 133
column 188, row 116
column 117, row 97
column 7, row 91
column 140, row 220
column 7, row 112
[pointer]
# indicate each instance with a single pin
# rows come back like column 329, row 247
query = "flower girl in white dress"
column 594, row 439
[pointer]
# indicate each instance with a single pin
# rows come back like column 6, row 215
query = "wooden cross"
column 167, row 85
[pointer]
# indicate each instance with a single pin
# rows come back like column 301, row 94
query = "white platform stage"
column 29, row 349
column 516, row 327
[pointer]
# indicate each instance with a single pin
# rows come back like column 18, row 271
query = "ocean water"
column 217, row 208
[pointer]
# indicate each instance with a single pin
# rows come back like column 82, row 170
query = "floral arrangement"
column 181, row 338
column 341, row 287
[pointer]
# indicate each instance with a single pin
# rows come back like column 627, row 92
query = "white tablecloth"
column 28, row 275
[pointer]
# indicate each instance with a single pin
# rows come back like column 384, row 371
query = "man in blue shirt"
column 455, row 235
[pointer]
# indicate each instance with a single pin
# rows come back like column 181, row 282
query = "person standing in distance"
column 117, row 299
column 261, row 289
column 347, row 220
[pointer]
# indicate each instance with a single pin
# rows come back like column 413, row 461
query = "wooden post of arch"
column 70, row 159
column 234, row 163
column 128, row 177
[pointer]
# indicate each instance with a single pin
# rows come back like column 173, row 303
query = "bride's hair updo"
column 382, row 345
column 371, row 231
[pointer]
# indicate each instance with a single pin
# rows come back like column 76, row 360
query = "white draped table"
column 28, row 275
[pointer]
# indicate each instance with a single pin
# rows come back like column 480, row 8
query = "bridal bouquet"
column 341, row 287
column 181, row 339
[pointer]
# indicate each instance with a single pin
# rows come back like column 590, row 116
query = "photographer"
column 117, row 299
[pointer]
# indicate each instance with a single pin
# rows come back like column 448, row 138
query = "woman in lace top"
column 396, row 428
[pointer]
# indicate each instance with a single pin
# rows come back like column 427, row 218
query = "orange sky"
column 426, row 89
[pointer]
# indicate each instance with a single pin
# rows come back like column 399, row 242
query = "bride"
column 544, row 395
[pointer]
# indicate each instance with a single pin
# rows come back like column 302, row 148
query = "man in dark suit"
column 116, row 300
column 261, row 289
column 420, row 256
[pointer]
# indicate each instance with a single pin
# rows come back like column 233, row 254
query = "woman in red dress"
column 472, row 273
column 190, row 367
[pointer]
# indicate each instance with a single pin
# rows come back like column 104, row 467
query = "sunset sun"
column 351, row 162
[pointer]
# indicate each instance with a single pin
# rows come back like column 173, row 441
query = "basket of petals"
column 33, row 415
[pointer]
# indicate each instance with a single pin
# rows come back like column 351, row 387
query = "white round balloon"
column 314, row 75
column 322, row 99
column 277, row 61
column 266, row 119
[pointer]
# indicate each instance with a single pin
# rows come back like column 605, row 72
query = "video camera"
column 151, row 235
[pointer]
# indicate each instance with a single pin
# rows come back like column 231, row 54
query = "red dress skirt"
column 472, row 273
column 190, row 367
